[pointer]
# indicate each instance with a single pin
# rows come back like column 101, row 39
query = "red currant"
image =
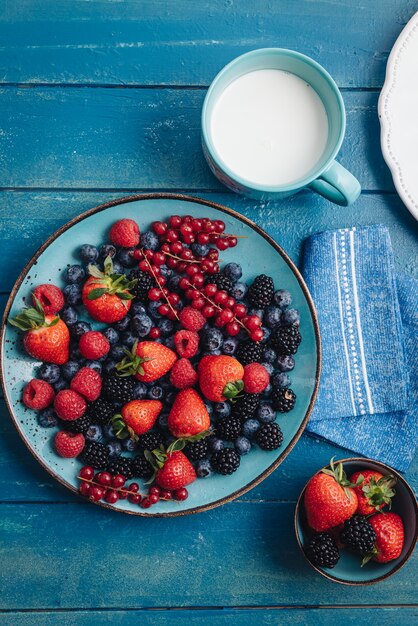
column 104, row 478
column 154, row 498
column 143, row 266
column 154, row 294
column 208, row 225
column 134, row 487
column 253, row 322
column 118, row 481
column 171, row 315
column 196, row 225
column 222, row 243
column 219, row 226
column 84, row 489
column 87, row 472
column 173, row 298
column 123, row 494
column 198, row 303
column 159, row 228
column 192, row 270
column 171, row 235
column 166, row 495
column 163, row 309
column 176, row 247
column 96, row 493
column 158, row 258
column 184, row 283
column 186, row 228
column 186, row 219
column 186, row 254
column 165, row 247
column 135, row 498
column 146, row 503
column 239, row 310
column 203, row 238
column 154, row 489
column 161, row 279
column 232, row 328
column 154, row 333
column 232, row 242
column 213, row 254
column 219, row 321
column 220, row 297
column 111, row 496
column 190, row 294
column 189, row 238
column 227, row 315
column 172, row 263
column 174, row 221
column 230, row 303
column 210, row 289
column 208, row 311
column 257, row 335
column 181, row 494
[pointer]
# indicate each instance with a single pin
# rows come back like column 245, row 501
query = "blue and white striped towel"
column 368, row 317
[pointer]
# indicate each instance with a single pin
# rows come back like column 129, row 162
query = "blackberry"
column 228, row 428
column 80, row 425
column 141, row 468
column 150, row 441
column 221, row 281
column 95, row 454
column 323, row 551
column 225, row 461
column 101, row 411
column 269, row 436
column 144, row 284
column 283, row 399
column 358, row 534
column 249, row 352
column 286, row 340
column 121, row 465
column 260, row 294
column 246, row 406
column 197, row 450
column 118, row 389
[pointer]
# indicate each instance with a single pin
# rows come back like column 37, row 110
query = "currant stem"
column 159, row 284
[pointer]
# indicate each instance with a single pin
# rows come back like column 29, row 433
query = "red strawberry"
column 148, row 361
column 69, row 445
column 329, row 498
column 137, row 417
column 220, row 377
column 93, row 345
column 374, row 491
column 188, row 415
column 182, row 374
column 176, row 472
column 106, row 295
column 50, row 297
column 187, row 343
column 390, row 537
column 38, row 394
column 191, row 319
column 125, row 233
column 256, row 378
column 69, row 405
column 47, row 338
column 87, row 383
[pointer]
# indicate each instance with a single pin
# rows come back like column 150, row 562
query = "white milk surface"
column 269, row 127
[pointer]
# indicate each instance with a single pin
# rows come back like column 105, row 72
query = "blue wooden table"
column 100, row 99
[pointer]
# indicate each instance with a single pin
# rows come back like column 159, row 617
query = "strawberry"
column 38, row 394
column 87, row 383
column 50, row 297
column 329, row 498
column 176, row 471
column 46, row 338
column 390, row 537
column 69, row 445
column 69, row 405
column 106, row 295
column 188, row 415
column 191, row 319
column 220, row 377
column 125, row 233
column 374, row 491
column 182, row 374
column 148, row 361
column 93, row 345
column 187, row 343
column 137, row 417
column 256, row 378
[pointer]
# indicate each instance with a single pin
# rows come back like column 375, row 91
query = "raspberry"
column 182, row 374
column 192, row 319
column 69, row 445
column 125, row 233
column 93, row 345
column 50, row 297
column 38, row 394
column 256, row 378
column 87, row 382
column 186, row 342
column 69, row 405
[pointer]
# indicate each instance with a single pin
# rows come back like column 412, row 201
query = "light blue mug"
column 328, row 178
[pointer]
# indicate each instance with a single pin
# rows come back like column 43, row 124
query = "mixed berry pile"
column 185, row 373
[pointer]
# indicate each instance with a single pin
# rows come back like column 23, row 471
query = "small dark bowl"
column 348, row 570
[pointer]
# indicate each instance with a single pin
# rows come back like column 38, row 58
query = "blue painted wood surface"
column 99, row 99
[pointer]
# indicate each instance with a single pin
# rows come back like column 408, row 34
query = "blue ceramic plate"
column 348, row 570
column 256, row 253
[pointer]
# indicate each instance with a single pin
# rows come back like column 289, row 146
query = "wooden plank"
column 80, row 556
column 218, row 617
column 139, row 138
column 154, row 42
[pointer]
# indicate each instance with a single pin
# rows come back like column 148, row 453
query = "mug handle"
column 337, row 185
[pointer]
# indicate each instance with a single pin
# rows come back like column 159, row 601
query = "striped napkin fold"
column 368, row 317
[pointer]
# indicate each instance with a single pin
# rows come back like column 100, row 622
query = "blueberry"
column 117, row 267
column 215, row 444
column 107, row 431
column 209, row 407
column 282, row 298
column 47, row 418
column 291, row 316
column 89, row 253
column 272, row 316
column 123, row 323
column 128, row 339
column 69, row 315
column 138, row 309
column 107, row 249
column 141, row 325
column 70, row 369
column 75, row 355
column 75, row 274
column 153, row 310
column 114, row 447
column 171, row 396
column 281, row 380
column 242, row 445
column 204, row 469
column 129, row 445
column 125, row 258
column 265, row 412
column 211, row 353
column 239, row 291
column 111, row 335
column 94, row 433
column 230, row 345
column 169, row 342
column 166, row 326
column 156, row 393
column 250, row 427
column 140, row 391
column 199, row 249
column 109, row 366
column 80, row 328
column 60, row 385
column 49, row 372
column 233, row 271
column 117, row 352
column 211, row 339
column 173, row 282
column 269, row 355
column 222, row 409
column 149, row 240
column 267, row 333
column 285, row 363
column 72, row 294
column 269, row 367
column 165, row 271
column 94, row 365
column 163, row 421
column 267, row 391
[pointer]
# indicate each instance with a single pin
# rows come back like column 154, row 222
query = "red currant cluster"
column 111, row 488
column 189, row 230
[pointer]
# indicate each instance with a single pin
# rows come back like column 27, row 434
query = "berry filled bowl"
column 160, row 355
column 356, row 521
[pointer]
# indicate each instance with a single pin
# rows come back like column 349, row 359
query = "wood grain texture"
column 159, row 42
column 79, row 555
